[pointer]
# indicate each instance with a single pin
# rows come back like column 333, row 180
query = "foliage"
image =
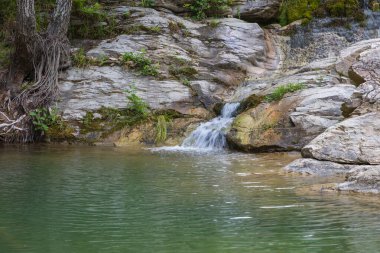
column 292, row 10
column 214, row 23
column 112, row 119
column 147, row 3
column 48, row 122
column 201, row 8
column 80, row 60
column 137, row 105
column 161, row 129
column 94, row 23
column 279, row 92
column 43, row 118
column 139, row 61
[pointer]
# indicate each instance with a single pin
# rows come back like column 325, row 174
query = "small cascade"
column 211, row 135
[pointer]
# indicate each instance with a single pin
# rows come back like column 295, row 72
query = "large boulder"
column 290, row 123
column 259, row 11
column 353, row 141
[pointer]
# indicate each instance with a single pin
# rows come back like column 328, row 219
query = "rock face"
column 353, row 141
column 220, row 57
column 87, row 90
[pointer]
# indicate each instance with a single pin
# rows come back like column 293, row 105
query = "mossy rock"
column 250, row 102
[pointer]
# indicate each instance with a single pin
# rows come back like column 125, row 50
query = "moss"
column 142, row 63
column 161, row 129
column 251, row 102
column 292, row 10
column 182, row 69
column 111, row 120
column 60, row 132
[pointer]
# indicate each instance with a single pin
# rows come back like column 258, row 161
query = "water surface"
column 92, row 199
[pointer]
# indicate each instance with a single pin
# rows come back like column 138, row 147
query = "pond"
column 57, row 199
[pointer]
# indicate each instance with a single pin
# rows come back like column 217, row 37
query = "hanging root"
column 48, row 53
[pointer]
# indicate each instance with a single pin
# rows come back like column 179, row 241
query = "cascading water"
column 211, row 135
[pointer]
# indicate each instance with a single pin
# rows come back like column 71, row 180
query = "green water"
column 91, row 199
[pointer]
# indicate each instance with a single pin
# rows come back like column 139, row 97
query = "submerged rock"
column 314, row 167
column 363, row 179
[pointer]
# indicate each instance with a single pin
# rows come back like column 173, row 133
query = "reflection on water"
column 66, row 199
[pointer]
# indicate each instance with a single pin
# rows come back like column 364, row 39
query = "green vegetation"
column 375, row 6
column 200, row 9
column 144, row 65
column 90, row 21
column 138, row 106
column 49, row 123
column 292, row 10
column 43, row 118
column 147, row 3
column 112, row 119
column 80, row 60
column 161, row 129
column 279, row 92
column 182, row 69
column 214, row 23
column 250, row 102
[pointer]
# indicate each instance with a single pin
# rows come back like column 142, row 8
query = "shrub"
column 279, row 92
column 147, row 3
column 139, row 61
column 48, row 122
column 161, row 129
column 137, row 105
column 200, row 8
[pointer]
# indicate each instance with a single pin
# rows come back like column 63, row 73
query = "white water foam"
column 209, row 136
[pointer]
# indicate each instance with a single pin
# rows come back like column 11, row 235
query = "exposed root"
column 13, row 126
column 48, row 53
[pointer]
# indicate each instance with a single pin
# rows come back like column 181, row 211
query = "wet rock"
column 314, row 167
column 353, row 141
column 363, row 179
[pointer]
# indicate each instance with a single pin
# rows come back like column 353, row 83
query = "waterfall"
column 212, row 134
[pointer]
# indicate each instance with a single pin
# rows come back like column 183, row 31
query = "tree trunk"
column 37, row 58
